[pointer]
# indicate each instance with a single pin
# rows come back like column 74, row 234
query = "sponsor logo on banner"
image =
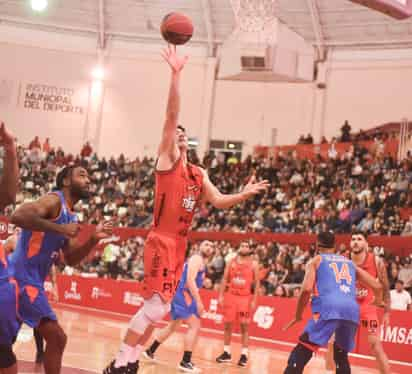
column 212, row 314
column 72, row 294
column 134, row 299
column 396, row 334
column 100, row 293
column 263, row 317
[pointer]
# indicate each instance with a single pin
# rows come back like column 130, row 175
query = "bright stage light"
column 98, row 73
column 39, row 5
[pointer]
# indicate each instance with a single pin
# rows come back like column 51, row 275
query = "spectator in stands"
column 345, row 131
column 35, row 144
column 46, row 147
column 407, row 231
column 400, row 299
column 86, row 151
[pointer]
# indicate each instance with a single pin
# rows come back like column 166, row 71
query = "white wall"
column 367, row 88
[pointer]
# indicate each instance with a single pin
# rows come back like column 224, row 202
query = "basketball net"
column 257, row 17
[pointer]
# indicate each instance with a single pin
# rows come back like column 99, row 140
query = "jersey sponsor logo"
column 238, row 281
column 264, row 317
column 189, row 203
column 72, row 294
column 396, row 334
column 345, row 289
column 3, row 228
column 361, row 293
column 131, row 298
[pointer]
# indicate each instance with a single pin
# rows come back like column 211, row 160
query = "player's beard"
column 245, row 254
column 357, row 250
column 80, row 193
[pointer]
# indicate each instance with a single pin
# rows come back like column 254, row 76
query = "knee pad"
column 153, row 310
column 341, row 360
column 7, row 356
column 298, row 359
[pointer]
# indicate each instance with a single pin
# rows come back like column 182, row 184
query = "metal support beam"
column 317, row 27
column 102, row 30
column 207, row 18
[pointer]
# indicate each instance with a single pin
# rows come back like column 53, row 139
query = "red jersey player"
column 369, row 322
column 240, row 275
column 180, row 187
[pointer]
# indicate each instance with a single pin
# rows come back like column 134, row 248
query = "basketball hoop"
column 254, row 15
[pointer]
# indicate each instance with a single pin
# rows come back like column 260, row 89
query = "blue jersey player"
column 331, row 281
column 50, row 228
column 186, row 306
column 9, row 321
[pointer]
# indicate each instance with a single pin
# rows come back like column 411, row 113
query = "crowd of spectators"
column 282, row 266
column 341, row 192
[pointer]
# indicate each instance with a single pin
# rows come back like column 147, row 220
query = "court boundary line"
column 218, row 332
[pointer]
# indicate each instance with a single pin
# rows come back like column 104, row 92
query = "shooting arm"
column 168, row 151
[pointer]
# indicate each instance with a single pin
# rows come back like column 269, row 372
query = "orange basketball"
column 176, row 28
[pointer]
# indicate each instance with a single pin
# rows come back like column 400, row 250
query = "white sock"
column 245, row 351
column 226, row 348
column 135, row 354
column 122, row 357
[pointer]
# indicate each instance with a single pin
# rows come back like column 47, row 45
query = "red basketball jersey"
column 241, row 277
column 177, row 194
column 365, row 295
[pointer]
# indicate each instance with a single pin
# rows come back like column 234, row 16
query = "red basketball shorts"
column 164, row 258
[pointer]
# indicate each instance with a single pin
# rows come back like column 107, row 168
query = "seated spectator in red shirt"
column 35, row 144
column 87, row 150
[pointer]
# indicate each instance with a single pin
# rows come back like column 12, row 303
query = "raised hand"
column 254, row 188
column 104, row 230
column 175, row 62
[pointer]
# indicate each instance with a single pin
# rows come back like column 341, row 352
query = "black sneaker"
column 242, row 361
column 224, row 357
column 39, row 357
column 148, row 356
column 112, row 370
column 132, row 368
column 188, row 367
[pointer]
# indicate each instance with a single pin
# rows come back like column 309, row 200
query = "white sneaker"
column 188, row 367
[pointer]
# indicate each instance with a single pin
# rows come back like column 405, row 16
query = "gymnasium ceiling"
column 337, row 23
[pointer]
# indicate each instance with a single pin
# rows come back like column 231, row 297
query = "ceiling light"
column 98, row 73
column 39, row 5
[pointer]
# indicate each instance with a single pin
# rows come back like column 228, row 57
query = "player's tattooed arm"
column 39, row 215
column 383, row 278
column 75, row 251
column 224, row 201
column 168, row 151
column 10, row 179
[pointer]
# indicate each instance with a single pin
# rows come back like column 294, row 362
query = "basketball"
column 176, row 28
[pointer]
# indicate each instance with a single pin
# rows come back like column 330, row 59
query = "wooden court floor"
column 94, row 339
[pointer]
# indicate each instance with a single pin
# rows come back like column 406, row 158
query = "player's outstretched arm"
column 194, row 265
column 306, row 290
column 38, row 216
column 369, row 281
column 10, row 179
column 223, row 201
column 75, row 252
column 168, row 151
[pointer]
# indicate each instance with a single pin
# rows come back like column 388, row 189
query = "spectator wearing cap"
column 400, row 299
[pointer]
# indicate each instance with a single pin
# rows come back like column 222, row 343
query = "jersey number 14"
column 341, row 274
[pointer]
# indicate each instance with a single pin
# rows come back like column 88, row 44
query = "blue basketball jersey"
column 182, row 286
column 36, row 251
column 4, row 271
column 335, row 290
